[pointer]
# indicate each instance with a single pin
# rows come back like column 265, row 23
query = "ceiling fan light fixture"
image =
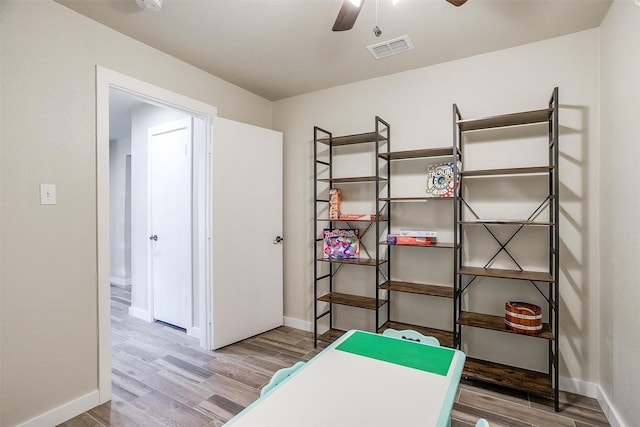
column 153, row 5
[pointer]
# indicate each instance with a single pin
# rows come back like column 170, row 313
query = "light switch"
column 47, row 194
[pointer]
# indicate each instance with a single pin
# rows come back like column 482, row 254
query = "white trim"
column 140, row 314
column 102, row 236
column 298, row 324
column 106, row 79
column 304, row 325
column 609, row 410
column 594, row 391
column 65, row 412
column 582, row 388
column 194, row 332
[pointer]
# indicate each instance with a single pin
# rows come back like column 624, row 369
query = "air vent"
column 391, row 47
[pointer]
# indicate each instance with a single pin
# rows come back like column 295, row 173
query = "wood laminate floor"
column 161, row 377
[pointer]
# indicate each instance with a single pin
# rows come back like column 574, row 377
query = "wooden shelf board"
column 507, row 171
column 417, row 154
column 445, row 337
column 349, row 180
column 419, row 288
column 496, row 323
column 538, row 383
column 439, row 245
column 348, row 220
column 513, row 119
column 507, row 222
column 331, row 335
column 351, row 300
column 359, row 138
column 412, row 199
column 498, row 273
column 355, row 261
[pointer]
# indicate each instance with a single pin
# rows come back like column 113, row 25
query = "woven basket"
column 522, row 317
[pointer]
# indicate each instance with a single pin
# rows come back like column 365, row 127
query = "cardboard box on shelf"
column 354, row 217
column 418, row 233
column 414, row 240
column 334, row 203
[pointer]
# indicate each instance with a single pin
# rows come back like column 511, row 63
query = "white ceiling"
column 282, row 48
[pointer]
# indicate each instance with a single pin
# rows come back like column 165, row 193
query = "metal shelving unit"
column 385, row 202
column 546, row 282
column 325, row 271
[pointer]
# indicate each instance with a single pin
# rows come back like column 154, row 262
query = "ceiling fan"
column 351, row 8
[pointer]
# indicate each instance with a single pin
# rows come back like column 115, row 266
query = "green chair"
column 482, row 423
column 411, row 335
column 280, row 376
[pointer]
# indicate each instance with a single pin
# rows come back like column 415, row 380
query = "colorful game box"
column 341, row 243
column 440, row 180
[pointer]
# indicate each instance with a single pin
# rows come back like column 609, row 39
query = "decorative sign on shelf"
column 440, row 179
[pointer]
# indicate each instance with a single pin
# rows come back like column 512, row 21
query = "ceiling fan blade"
column 347, row 16
column 457, row 2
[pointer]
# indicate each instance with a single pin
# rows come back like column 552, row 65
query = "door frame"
column 105, row 80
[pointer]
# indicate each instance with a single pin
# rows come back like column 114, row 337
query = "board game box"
column 440, row 179
column 341, row 243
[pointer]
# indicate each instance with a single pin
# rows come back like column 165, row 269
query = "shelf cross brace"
column 503, row 246
column 540, row 291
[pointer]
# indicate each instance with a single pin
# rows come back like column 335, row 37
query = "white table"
column 343, row 388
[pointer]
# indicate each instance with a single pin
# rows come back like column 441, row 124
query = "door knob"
column 278, row 240
column 154, row 237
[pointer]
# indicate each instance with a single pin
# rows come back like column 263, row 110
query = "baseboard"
column 298, row 324
column 120, row 281
column 140, row 314
column 193, row 332
column 65, row 412
column 582, row 388
column 609, row 410
column 303, row 325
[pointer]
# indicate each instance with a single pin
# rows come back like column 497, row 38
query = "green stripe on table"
column 400, row 352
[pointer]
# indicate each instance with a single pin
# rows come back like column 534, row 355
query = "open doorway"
column 146, row 106
column 244, row 301
column 155, row 197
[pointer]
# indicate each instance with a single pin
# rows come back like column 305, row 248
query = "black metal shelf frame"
column 385, row 203
column 379, row 138
column 549, row 206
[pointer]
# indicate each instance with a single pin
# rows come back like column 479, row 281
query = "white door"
column 246, row 225
column 170, row 221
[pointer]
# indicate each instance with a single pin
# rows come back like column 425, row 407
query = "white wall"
column 619, row 205
column 48, row 279
column 418, row 106
column 120, row 199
